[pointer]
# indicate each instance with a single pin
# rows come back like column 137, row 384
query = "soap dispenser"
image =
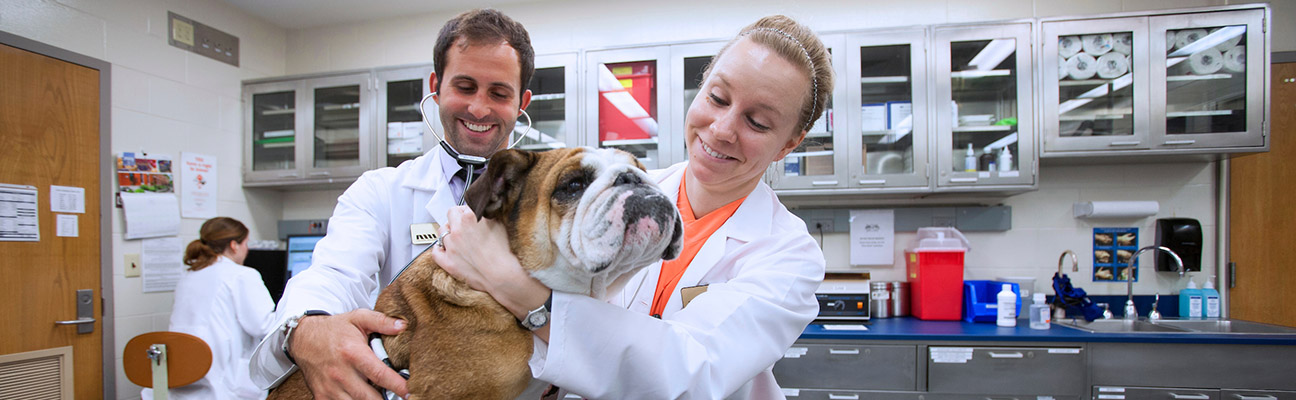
column 1210, row 300
column 1190, row 301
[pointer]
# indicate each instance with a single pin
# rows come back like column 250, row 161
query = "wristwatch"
column 538, row 317
column 290, row 326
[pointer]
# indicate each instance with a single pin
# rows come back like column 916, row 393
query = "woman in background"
column 226, row 305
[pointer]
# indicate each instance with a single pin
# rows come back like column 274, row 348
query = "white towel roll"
column 1097, row 45
column 1069, row 45
column 1228, row 44
column 1081, row 66
column 1122, row 42
column 1206, row 62
column 1185, row 37
column 1112, row 65
column 1062, row 67
column 1235, row 59
column 1170, row 41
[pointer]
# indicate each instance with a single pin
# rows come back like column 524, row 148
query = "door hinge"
column 1232, row 275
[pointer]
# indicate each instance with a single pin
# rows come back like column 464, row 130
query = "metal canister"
column 880, row 300
column 899, row 299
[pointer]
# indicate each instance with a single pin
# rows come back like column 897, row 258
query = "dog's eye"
column 576, row 186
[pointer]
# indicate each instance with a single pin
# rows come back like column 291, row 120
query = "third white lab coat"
column 762, row 268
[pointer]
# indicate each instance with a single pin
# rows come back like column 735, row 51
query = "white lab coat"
column 762, row 268
column 368, row 234
column 227, row 306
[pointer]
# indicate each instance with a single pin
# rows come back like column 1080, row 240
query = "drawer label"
column 791, row 392
column 1064, row 351
column 951, row 355
column 795, row 352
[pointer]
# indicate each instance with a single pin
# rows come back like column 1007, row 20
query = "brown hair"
column 800, row 46
column 484, row 26
column 214, row 238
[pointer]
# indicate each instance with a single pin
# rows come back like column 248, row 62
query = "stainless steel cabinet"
column 627, row 100
column 984, row 106
column 1056, row 371
column 820, row 161
column 307, row 131
column 886, row 116
column 1098, row 99
column 400, row 133
column 846, row 366
column 554, row 108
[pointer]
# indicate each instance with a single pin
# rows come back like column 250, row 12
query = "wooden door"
column 49, row 135
column 1262, row 216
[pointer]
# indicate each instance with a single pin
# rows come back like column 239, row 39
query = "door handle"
column 823, row 183
column 84, row 312
column 1129, row 143
column 963, row 180
column 1014, row 354
column 1194, row 396
column 873, row 182
column 1178, row 142
column 76, row 321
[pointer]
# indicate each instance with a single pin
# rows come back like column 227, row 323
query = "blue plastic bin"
column 980, row 300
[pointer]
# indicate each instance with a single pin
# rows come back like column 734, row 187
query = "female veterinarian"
column 753, row 262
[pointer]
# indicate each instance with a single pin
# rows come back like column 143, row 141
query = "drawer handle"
column 1111, row 397
column 843, row 352
column 1128, row 143
column 1264, row 397
column 1001, row 398
column 1178, row 142
column 823, row 183
column 873, row 182
column 963, row 180
column 1015, row 354
column 1194, row 396
column 320, row 173
column 288, row 175
column 843, row 396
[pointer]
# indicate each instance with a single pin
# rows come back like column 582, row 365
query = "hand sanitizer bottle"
column 1039, row 313
column 1210, row 300
column 1190, row 301
column 970, row 161
column 1006, row 309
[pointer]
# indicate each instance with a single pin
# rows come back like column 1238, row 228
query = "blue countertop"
column 912, row 329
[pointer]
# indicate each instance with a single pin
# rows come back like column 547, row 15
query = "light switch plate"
column 132, row 263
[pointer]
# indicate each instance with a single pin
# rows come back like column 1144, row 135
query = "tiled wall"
column 164, row 101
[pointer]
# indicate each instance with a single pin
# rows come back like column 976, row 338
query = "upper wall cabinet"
column 307, row 130
column 402, row 135
column 821, row 161
column 624, row 91
column 1162, row 84
column 554, row 109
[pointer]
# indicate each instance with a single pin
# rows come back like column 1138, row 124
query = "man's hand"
column 333, row 352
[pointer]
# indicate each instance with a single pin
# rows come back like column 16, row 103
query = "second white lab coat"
column 762, row 269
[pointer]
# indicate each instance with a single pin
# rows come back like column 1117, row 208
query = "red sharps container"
column 934, row 265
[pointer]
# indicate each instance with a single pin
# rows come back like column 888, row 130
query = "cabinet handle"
column 843, row 352
column 320, row 173
column 293, row 175
column 1000, row 398
column 1179, row 142
column 1129, row 143
column 1015, row 354
column 963, row 180
column 1111, row 397
column 823, row 183
column 873, row 182
column 1264, row 397
column 1194, row 396
column 843, row 396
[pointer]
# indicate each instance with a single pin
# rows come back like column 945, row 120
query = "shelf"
column 1086, row 82
column 542, row 146
column 550, row 96
column 629, row 142
column 340, row 107
column 281, row 111
column 987, row 128
column 407, row 107
column 819, row 134
column 278, row 133
column 974, row 74
column 1178, row 78
column 811, row 153
column 1094, row 117
column 884, row 79
column 1198, row 113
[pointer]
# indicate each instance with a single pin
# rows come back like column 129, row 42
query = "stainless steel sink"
column 1228, row 326
column 1120, row 326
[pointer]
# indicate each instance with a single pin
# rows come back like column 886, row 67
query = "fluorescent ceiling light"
column 1007, row 140
column 1210, row 41
column 993, row 54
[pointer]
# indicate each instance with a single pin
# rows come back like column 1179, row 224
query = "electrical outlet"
column 132, row 263
column 817, row 225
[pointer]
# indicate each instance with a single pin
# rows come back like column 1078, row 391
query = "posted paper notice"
column 67, row 199
column 151, row 215
column 197, row 186
column 163, row 265
column 18, row 220
column 66, row 226
column 872, row 237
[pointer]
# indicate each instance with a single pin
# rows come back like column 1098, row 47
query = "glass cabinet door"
column 820, row 161
column 339, row 126
column 1209, row 71
column 271, row 119
column 1097, row 99
column 401, row 133
column 688, row 61
column 625, row 88
column 984, row 106
column 885, row 126
column 553, row 108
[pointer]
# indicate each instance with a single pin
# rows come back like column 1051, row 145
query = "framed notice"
column 1112, row 249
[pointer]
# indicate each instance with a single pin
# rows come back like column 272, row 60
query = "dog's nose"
column 627, row 178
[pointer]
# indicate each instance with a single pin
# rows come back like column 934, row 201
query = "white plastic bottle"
column 1005, row 160
column 970, row 161
column 1039, row 313
column 1006, row 309
column 1210, row 300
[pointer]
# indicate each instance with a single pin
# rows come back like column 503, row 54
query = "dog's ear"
column 488, row 195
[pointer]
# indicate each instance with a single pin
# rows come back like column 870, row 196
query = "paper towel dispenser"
column 1184, row 237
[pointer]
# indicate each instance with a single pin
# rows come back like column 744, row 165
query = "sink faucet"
column 1130, row 311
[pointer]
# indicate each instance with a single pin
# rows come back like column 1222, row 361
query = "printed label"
column 951, row 355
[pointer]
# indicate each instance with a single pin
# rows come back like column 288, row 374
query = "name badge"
column 424, row 233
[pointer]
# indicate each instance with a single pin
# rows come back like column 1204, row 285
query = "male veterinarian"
column 483, row 62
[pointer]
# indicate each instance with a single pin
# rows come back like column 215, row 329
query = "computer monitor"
column 300, row 248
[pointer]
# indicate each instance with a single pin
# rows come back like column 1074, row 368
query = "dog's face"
column 580, row 220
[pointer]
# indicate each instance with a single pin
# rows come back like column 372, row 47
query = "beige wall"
column 164, row 101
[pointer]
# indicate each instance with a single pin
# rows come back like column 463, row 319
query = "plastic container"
column 970, row 161
column 1005, row 160
column 1040, row 317
column 981, row 301
column 1190, row 301
column 1006, row 307
column 1210, row 300
column 934, row 267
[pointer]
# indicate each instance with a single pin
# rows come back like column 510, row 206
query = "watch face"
column 538, row 320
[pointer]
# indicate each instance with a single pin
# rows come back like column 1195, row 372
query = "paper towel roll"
column 1069, row 45
column 1228, row 44
column 1112, row 65
column 1205, row 62
column 1170, row 41
column 1081, row 66
column 1097, row 45
column 1115, row 209
column 1122, row 43
column 1186, row 37
column 1235, row 59
column 1062, row 67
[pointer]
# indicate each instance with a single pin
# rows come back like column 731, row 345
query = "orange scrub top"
column 696, row 232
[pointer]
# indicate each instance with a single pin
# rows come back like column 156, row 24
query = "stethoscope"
column 466, row 161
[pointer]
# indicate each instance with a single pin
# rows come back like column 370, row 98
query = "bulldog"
column 579, row 220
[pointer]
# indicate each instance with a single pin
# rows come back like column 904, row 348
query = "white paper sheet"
column 197, row 186
column 854, row 327
column 18, row 220
column 872, row 237
column 151, row 215
column 67, row 199
column 66, row 226
column 163, row 265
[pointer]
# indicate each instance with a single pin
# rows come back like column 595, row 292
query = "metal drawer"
column 1006, row 370
column 830, row 366
column 825, row 394
column 1153, row 393
column 1231, row 394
